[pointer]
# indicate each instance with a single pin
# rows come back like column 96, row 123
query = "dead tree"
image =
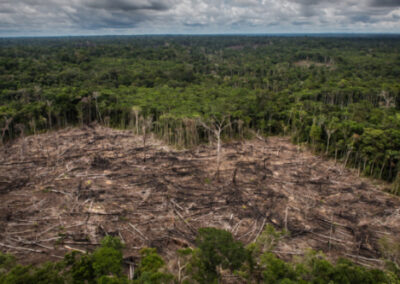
column 216, row 126
column 32, row 125
column 50, row 125
column 387, row 98
column 146, row 128
column 330, row 129
column 135, row 112
column 95, row 96
column 7, row 122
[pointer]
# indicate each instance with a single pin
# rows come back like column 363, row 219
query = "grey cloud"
column 127, row 5
column 7, row 11
column 244, row 3
column 385, row 3
column 194, row 25
column 185, row 16
column 361, row 18
column 310, row 2
column 301, row 23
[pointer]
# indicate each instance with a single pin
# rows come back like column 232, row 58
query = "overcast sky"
column 96, row 17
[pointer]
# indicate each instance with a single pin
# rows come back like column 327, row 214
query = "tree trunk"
column 218, row 151
column 347, row 157
column 383, row 166
column 327, row 143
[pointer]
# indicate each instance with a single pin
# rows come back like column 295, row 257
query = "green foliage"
column 275, row 270
column 104, row 261
column 396, row 185
column 107, row 261
column 216, row 253
column 268, row 239
column 216, row 250
column 316, row 269
column 47, row 273
column 7, row 261
column 81, row 268
column 390, row 249
column 150, row 269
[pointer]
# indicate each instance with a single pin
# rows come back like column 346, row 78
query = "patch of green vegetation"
column 216, row 255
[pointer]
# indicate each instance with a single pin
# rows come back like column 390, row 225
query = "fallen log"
column 21, row 248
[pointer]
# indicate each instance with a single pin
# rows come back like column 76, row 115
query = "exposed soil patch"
column 68, row 189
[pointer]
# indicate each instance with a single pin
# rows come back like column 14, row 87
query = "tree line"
column 339, row 95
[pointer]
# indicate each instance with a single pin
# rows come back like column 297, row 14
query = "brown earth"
column 66, row 190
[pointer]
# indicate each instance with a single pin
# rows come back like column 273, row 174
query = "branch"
column 137, row 230
column 20, row 248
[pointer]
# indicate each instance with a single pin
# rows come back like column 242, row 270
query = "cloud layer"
column 74, row 17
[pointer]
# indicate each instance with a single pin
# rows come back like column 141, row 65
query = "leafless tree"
column 387, row 98
column 330, row 129
column 216, row 127
column 48, row 103
column 7, row 122
column 95, row 96
column 21, row 128
column 146, row 128
column 32, row 125
column 135, row 112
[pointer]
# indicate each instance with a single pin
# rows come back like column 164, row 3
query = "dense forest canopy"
column 341, row 95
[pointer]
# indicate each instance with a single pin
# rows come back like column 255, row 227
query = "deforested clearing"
column 67, row 189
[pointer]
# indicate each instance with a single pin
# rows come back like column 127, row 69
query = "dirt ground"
column 66, row 190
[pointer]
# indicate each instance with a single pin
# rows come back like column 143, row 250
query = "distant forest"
column 339, row 95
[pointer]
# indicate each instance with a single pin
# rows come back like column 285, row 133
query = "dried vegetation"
column 68, row 189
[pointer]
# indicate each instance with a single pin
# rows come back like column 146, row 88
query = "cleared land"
column 68, row 189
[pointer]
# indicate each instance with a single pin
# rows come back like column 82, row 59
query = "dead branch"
column 365, row 258
column 75, row 249
column 20, row 248
column 184, row 221
column 176, row 204
column 261, row 228
column 139, row 232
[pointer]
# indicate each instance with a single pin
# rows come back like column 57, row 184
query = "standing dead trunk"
column 382, row 168
column 387, row 98
column 347, row 157
column 95, row 96
column 131, row 271
column 7, row 122
column 49, row 114
column 136, row 111
column 327, row 142
column 32, row 125
column 336, row 150
column 218, row 134
column 216, row 127
column 146, row 127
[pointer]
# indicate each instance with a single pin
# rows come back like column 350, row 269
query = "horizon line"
column 211, row 34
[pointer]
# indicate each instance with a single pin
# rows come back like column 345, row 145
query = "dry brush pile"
column 68, row 189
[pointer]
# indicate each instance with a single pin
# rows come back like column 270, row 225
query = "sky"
column 129, row 17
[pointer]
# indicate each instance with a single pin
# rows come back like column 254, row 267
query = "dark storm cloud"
column 361, row 18
column 128, row 5
column 309, row 2
column 31, row 17
column 385, row 3
column 301, row 23
column 194, row 25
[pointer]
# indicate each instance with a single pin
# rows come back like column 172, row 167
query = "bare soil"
column 66, row 190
